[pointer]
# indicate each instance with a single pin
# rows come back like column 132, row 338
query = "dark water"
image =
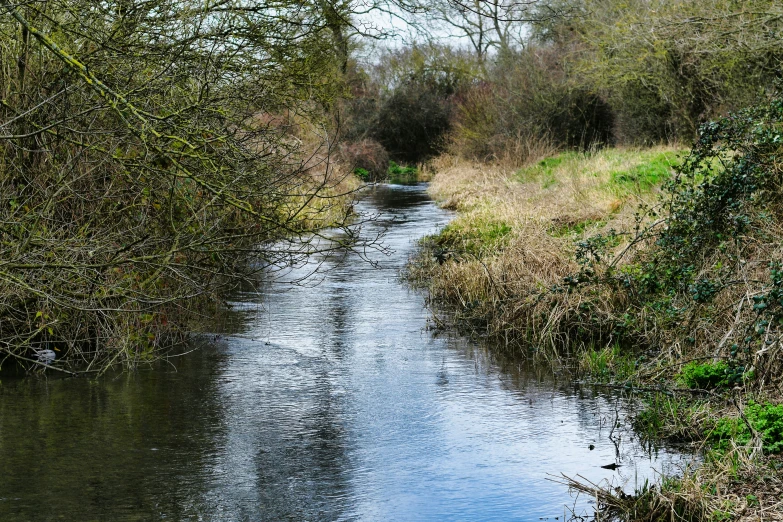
column 327, row 402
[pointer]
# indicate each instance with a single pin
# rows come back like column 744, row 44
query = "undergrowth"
column 402, row 175
column 762, row 420
column 661, row 271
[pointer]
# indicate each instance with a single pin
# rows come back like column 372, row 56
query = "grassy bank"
column 651, row 269
column 503, row 261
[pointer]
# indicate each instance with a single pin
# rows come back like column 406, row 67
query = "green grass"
column 545, row 171
column 477, row 238
column 402, row 175
column 651, row 172
column 609, row 364
column 626, row 171
column 668, row 417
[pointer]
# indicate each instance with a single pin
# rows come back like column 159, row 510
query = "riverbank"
column 314, row 402
column 503, row 261
column 617, row 269
column 137, row 293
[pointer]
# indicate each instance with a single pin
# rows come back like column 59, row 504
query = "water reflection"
column 328, row 402
column 131, row 447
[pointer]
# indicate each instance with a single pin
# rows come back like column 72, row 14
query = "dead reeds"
column 564, row 258
column 733, row 487
column 512, row 246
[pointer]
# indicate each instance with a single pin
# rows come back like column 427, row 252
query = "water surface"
column 328, row 401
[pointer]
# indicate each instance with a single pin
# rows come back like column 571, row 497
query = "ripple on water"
column 317, row 402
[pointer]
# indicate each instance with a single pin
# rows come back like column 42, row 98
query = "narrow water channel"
column 317, row 403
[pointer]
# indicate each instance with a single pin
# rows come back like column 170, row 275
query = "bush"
column 721, row 209
column 367, row 155
column 723, row 187
column 664, row 69
column 139, row 181
column 642, row 117
column 413, row 122
column 530, row 95
column 408, row 106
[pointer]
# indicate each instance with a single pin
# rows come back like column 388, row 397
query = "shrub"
column 139, row 180
column 720, row 209
column 366, row 155
column 642, row 117
column 413, row 121
column 664, row 70
column 529, row 94
column 415, row 105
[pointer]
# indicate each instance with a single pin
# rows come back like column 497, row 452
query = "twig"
column 23, row 358
column 695, row 391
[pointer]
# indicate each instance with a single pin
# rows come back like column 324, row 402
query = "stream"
column 324, row 401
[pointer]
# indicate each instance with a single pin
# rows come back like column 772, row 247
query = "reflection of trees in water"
column 285, row 456
column 134, row 445
column 311, row 469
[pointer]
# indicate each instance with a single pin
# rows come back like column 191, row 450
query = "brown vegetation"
column 146, row 166
column 514, row 241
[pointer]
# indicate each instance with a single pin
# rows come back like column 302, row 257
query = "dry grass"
column 512, row 246
column 730, row 486
column 565, row 187
column 514, row 241
column 501, row 269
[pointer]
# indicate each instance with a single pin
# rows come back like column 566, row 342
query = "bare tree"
column 489, row 25
column 152, row 154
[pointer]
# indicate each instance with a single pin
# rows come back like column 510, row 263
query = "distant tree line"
column 573, row 73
